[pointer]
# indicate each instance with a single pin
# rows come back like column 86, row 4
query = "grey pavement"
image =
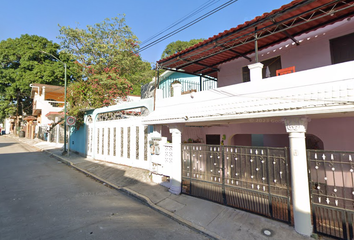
column 217, row 221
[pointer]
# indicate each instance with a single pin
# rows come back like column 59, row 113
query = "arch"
column 241, row 140
column 314, row 142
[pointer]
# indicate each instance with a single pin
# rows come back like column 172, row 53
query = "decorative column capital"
column 296, row 124
column 255, row 65
column 176, row 128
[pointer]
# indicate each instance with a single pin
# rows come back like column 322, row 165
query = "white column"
column 256, row 71
column 43, row 93
column 177, row 89
column 296, row 127
column 176, row 174
column 159, row 94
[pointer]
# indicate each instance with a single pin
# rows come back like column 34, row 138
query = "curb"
column 134, row 194
column 141, row 198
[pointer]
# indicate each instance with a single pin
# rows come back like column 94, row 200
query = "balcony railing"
column 328, row 89
column 188, row 85
column 56, row 103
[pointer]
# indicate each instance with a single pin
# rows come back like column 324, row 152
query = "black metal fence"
column 254, row 179
column 187, row 85
column 331, row 175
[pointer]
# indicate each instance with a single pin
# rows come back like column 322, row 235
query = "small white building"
column 48, row 106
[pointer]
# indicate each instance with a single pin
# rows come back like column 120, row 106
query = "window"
column 342, row 48
column 213, row 139
column 273, row 64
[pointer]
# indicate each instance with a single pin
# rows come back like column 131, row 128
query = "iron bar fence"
column 331, row 176
column 188, row 85
column 254, row 179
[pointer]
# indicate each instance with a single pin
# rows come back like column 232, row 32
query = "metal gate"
column 254, row 179
column 331, row 175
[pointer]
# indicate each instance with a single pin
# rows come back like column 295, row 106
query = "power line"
column 186, row 25
column 199, row 9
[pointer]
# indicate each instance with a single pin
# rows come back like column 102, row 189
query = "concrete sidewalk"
column 215, row 220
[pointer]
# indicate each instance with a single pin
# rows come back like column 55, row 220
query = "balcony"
column 188, row 86
column 56, row 104
column 324, row 90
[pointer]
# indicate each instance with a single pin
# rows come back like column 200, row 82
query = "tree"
column 23, row 62
column 178, row 46
column 106, row 54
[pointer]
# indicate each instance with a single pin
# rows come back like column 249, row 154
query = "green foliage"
column 106, row 55
column 23, row 62
column 178, row 46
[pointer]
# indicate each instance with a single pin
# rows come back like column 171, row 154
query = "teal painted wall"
column 78, row 140
column 189, row 82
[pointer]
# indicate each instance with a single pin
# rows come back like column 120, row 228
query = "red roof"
column 289, row 21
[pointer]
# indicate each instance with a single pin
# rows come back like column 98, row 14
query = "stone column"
column 296, row 127
column 176, row 173
column 256, row 71
column 177, row 89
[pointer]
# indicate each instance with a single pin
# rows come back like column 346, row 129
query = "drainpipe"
column 256, row 45
column 201, row 82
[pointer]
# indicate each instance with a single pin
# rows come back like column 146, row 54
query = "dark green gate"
column 331, row 175
column 255, row 179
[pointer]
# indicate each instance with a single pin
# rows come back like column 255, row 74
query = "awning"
column 30, row 118
column 53, row 115
column 287, row 22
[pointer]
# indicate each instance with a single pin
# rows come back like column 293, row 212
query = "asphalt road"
column 41, row 198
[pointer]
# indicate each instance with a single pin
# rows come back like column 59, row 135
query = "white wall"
column 115, row 145
column 46, row 107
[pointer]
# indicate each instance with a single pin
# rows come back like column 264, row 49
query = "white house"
column 241, row 130
column 48, row 106
column 279, row 145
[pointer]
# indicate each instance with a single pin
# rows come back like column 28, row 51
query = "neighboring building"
column 279, row 145
column 48, row 106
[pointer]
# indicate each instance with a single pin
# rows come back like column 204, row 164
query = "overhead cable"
column 186, row 25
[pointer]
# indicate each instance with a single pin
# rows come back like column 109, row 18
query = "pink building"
column 307, row 115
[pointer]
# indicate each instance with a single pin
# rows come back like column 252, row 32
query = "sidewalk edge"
column 133, row 194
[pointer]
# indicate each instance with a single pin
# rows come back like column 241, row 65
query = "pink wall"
column 312, row 52
column 276, row 140
column 336, row 133
column 241, row 140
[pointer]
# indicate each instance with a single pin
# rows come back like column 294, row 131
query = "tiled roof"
column 293, row 19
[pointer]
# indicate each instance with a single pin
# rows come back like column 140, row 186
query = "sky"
column 145, row 18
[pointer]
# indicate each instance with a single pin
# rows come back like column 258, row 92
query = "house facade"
column 48, row 106
column 279, row 145
column 264, row 135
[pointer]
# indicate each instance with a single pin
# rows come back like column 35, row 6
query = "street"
column 41, row 198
